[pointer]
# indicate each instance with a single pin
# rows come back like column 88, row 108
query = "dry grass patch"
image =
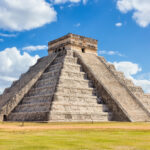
column 75, row 136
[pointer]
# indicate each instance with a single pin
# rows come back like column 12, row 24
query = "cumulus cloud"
column 104, row 52
column 130, row 69
column 13, row 64
column 140, row 8
column 18, row 15
column 119, row 24
column 35, row 48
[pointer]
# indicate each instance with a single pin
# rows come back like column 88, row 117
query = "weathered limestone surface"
column 75, row 98
column 13, row 95
column 73, row 41
column 137, row 91
column 117, row 93
column 62, row 94
column 73, row 84
column 35, row 105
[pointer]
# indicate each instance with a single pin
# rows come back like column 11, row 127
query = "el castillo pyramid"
column 73, row 84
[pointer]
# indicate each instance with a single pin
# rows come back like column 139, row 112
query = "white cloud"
column 103, row 52
column 13, row 64
column 140, row 8
column 128, row 68
column 131, row 69
column 8, row 35
column 18, row 15
column 119, row 24
column 35, row 48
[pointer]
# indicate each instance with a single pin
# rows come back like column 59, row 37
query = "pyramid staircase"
column 63, row 93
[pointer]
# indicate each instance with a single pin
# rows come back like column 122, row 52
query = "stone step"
column 75, row 82
column 75, row 91
column 147, row 105
column 63, row 71
column 66, row 66
column 75, row 103
column 135, row 89
column 146, row 96
column 120, row 75
column 55, row 67
column 110, row 66
column 62, row 89
column 50, row 74
column 37, row 99
column 28, row 116
column 67, row 116
column 41, row 91
column 59, row 116
column 64, row 81
column 72, row 96
column 46, row 82
column 64, row 74
column 145, row 99
column 49, row 78
column 60, row 59
column 62, row 98
column 127, row 82
column 66, row 59
column 73, row 74
column 72, row 67
column 71, row 60
column 34, row 107
column 83, row 107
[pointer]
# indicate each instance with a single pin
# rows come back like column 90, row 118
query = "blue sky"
column 122, row 28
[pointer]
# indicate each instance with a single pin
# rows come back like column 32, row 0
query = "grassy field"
column 75, row 136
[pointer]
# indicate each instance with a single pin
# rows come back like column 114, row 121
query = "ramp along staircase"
column 62, row 94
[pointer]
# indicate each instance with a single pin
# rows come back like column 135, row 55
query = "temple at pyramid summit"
column 74, row 84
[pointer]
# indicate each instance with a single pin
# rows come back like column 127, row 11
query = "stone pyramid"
column 73, row 84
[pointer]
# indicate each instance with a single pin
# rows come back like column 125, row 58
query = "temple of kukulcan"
column 74, row 84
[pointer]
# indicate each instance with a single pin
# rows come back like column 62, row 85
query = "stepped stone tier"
column 73, row 84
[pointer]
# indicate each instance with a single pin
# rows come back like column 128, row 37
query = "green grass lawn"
column 81, row 136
